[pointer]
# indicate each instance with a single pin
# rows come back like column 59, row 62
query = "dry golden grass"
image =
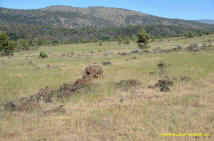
column 107, row 113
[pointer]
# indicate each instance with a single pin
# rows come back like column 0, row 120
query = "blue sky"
column 183, row 9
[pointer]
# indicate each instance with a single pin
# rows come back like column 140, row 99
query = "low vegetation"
column 143, row 39
column 109, row 92
column 6, row 45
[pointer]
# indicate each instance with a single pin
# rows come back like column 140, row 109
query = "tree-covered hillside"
column 86, row 34
column 73, row 17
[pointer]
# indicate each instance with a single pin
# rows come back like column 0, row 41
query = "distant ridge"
column 73, row 17
column 206, row 21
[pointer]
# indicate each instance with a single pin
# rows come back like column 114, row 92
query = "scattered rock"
column 81, row 83
column 125, row 85
column 123, row 54
column 28, row 106
column 10, row 106
column 45, row 91
column 46, row 94
column 164, row 85
column 164, row 82
column 106, row 63
column 134, row 51
column 178, row 47
column 93, row 71
column 193, row 47
column 165, row 51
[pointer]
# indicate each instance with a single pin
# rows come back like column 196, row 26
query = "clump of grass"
column 43, row 55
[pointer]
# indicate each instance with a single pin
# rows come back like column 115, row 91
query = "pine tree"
column 143, row 39
column 6, row 45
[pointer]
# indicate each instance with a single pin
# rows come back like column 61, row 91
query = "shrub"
column 43, row 55
column 6, row 45
column 143, row 39
column 189, row 34
column 100, row 43
column 119, row 39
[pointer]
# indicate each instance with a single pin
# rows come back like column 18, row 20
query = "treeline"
column 39, row 35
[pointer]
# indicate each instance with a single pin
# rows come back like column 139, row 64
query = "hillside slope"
column 72, row 17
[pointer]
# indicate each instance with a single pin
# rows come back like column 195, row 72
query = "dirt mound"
column 126, row 85
column 93, row 71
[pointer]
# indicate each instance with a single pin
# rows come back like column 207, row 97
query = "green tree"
column 189, row 34
column 6, row 45
column 119, row 39
column 143, row 39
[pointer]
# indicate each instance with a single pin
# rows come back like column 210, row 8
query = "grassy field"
column 107, row 113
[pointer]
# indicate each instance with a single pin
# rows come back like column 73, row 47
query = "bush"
column 143, row 39
column 100, row 43
column 6, row 45
column 43, row 55
column 189, row 34
column 119, row 39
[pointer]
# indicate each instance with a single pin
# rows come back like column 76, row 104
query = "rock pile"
column 46, row 95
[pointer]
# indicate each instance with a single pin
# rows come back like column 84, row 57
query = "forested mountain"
column 72, row 17
column 72, row 24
